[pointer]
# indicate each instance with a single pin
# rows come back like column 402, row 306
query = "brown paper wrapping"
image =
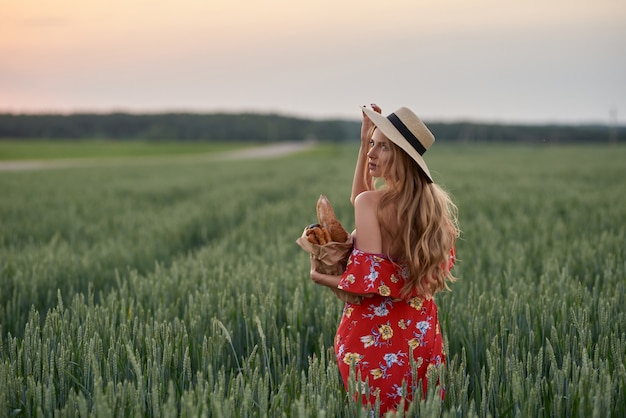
column 330, row 259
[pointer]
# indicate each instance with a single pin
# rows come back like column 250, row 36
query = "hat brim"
column 390, row 131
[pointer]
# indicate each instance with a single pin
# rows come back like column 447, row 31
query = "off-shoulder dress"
column 380, row 335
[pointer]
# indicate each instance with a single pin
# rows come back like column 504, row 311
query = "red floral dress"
column 379, row 334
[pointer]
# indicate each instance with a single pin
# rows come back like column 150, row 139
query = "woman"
column 403, row 252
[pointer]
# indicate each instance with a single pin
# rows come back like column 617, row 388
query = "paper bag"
column 330, row 259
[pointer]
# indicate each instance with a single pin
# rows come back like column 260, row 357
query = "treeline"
column 469, row 132
column 270, row 128
column 174, row 126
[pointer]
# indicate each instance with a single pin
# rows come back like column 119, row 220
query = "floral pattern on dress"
column 380, row 335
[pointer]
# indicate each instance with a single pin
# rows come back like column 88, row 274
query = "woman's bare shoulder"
column 366, row 220
column 368, row 199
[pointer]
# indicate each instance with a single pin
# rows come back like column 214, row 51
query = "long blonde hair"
column 421, row 220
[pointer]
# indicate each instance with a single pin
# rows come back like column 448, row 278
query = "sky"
column 503, row 61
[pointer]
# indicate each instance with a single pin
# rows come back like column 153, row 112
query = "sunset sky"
column 486, row 60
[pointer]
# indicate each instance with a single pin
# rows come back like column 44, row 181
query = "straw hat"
column 405, row 129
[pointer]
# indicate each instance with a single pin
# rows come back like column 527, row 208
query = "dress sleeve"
column 368, row 273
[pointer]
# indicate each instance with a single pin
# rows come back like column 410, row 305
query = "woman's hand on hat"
column 367, row 125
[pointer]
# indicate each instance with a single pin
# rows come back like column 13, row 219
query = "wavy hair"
column 421, row 220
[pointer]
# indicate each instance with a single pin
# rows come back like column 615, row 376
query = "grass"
column 178, row 289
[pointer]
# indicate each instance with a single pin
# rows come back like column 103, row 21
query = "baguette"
column 317, row 234
column 328, row 220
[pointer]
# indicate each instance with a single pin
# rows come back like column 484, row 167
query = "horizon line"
column 432, row 119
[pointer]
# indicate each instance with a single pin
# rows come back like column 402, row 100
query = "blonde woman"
column 404, row 249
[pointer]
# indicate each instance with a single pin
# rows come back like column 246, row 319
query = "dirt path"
column 266, row 151
column 260, row 152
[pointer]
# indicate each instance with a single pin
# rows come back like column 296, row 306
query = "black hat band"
column 406, row 133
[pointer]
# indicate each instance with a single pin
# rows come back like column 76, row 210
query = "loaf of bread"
column 317, row 234
column 327, row 219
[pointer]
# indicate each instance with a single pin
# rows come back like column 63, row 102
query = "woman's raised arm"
column 361, row 182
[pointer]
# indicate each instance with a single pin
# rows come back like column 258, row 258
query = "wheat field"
column 177, row 288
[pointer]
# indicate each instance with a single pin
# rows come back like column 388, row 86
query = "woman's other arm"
column 332, row 281
column 322, row 279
